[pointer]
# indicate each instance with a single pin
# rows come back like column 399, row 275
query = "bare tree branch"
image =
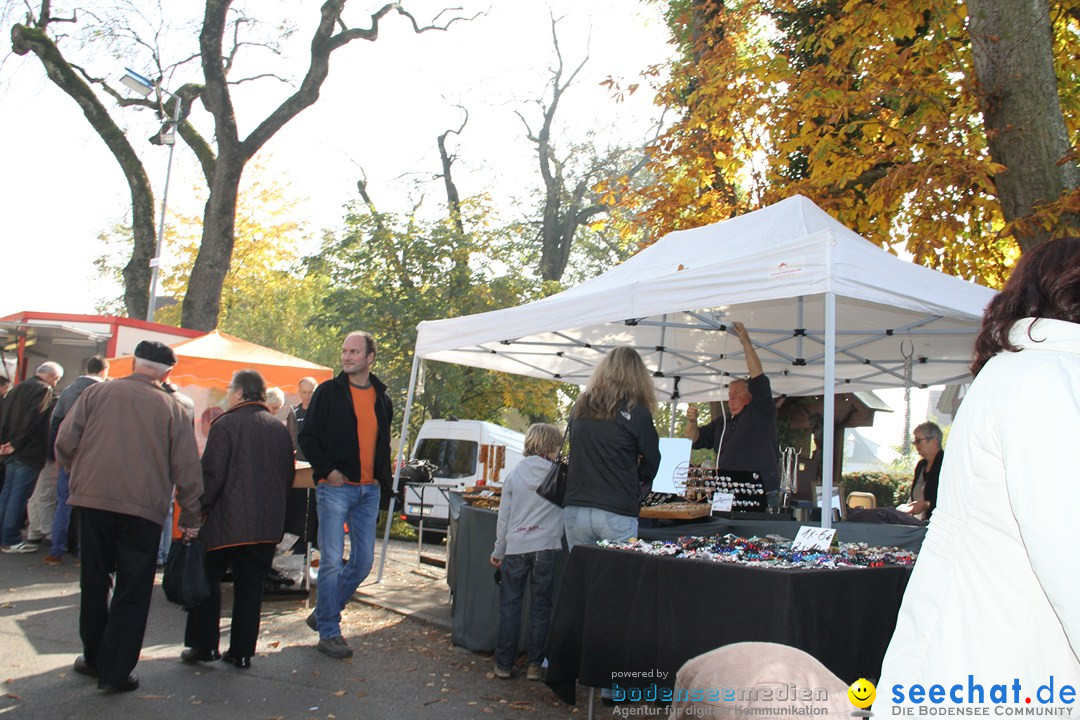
column 362, row 187
column 561, row 206
column 453, row 198
column 222, row 158
column 260, row 76
column 30, row 39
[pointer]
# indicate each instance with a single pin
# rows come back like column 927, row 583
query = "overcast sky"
column 381, row 109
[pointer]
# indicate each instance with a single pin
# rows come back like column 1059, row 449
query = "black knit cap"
column 155, row 352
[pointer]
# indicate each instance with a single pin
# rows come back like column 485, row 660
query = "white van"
column 453, row 447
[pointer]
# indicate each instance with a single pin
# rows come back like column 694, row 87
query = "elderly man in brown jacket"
column 127, row 442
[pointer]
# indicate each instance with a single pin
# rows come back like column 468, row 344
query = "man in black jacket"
column 24, row 435
column 97, row 370
column 346, row 438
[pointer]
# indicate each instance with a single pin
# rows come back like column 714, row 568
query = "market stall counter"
column 908, row 537
column 475, row 606
column 633, row 619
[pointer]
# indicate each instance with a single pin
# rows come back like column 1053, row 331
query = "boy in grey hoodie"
column 528, row 534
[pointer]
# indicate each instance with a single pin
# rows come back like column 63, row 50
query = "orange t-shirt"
column 367, row 430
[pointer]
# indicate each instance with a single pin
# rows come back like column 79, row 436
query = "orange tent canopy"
column 210, row 360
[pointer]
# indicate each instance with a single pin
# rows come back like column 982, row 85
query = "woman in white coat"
column 992, row 613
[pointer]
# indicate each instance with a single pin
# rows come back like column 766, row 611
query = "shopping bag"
column 184, row 581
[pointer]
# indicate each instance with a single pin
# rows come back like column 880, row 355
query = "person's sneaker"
column 503, row 673
column 36, row 541
column 535, row 672
column 335, row 647
column 51, row 559
column 312, row 622
column 23, row 547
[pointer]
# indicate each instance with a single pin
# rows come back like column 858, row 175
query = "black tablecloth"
column 620, row 612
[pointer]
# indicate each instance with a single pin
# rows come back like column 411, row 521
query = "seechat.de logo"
column 861, row 694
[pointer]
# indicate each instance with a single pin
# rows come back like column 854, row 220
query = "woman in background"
column 275, row 400
column 614, row 451
column 247, row 472
column 995, row 594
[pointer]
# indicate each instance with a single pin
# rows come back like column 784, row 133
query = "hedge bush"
column 890, row 490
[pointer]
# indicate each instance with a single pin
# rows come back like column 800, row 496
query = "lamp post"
column 166, row 136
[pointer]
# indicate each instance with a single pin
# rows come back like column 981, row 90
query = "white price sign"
column 814, row 538
column 721, row 502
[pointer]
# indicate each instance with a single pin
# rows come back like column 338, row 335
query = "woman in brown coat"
column 247, row 472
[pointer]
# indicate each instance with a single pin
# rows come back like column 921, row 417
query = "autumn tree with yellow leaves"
column 943, row 128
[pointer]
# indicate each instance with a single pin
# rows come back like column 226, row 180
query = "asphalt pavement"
column 404, row 665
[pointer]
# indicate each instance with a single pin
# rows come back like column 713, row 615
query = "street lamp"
column 166, row 136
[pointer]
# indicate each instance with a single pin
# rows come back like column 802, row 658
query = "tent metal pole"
column 829, row 400
column 397, row 464
column 800, row 326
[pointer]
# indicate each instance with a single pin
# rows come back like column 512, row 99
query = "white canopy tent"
column 827, row 310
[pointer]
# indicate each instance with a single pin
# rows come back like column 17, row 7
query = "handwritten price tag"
column 721, row 502
column 814, row 538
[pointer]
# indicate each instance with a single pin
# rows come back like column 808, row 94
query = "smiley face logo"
column 862, row 693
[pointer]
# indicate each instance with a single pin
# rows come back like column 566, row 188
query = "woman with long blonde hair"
column 615, row 450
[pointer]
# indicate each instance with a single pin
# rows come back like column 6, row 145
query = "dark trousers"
column 112, row 632
column 534, row 571
column 250, row 566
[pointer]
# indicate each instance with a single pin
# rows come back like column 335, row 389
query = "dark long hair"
column 1044, row 284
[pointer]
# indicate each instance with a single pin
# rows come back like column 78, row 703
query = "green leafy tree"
column 267, row 297
column 386, row 273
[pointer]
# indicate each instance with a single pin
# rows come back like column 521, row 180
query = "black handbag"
column 184, row 581
column 553, row 486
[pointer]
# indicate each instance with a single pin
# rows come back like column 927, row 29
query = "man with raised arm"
column 746, row 440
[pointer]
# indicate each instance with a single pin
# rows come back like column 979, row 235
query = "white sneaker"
column 23, row 547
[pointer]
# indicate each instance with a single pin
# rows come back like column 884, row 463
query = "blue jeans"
column 357, row 505
column 62, row 516
column 538, row 570
column 19, row 479
column 586, row 525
